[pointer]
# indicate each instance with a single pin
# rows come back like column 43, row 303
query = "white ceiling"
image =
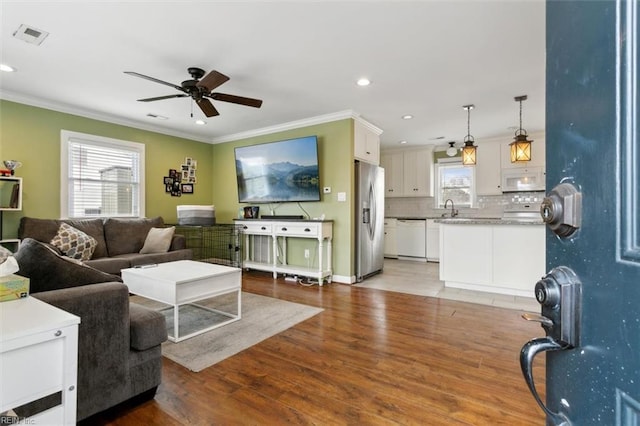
column 302, row 58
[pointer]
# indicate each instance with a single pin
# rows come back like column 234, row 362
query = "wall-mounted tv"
column 278, row 172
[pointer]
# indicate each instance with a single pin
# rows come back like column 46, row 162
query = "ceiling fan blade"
column 159, row 98
column 146, row 77
column 207, row 107
column 256, row 103
column 212, row 80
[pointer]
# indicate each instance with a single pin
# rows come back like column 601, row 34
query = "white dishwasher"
column 411, row 238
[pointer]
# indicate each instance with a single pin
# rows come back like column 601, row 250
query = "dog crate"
column 220, row 243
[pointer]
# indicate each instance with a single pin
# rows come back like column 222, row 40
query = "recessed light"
column 407, row 117
column 402, row 142
column 363, row 82
column 201, row 122
column 7, row 68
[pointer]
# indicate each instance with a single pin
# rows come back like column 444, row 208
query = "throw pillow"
column 74, row 243
column 158, row 240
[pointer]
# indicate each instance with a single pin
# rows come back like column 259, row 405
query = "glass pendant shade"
column 452, row 151
column 521, row 146
column 469, row 154
column 520, row 149
column 468, row 150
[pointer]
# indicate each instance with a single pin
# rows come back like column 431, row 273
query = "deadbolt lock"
column 561, row 210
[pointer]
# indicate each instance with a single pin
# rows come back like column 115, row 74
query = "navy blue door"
column 592, row 142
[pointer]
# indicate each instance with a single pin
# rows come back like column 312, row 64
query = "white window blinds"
column 102, row 177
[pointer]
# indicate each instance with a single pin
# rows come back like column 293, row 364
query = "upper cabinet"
column 366, row 140
column 408, row 173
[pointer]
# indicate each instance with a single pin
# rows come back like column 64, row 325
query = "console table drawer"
column 296, row 230
column 257, row 228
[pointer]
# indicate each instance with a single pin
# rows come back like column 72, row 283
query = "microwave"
column 523, row 179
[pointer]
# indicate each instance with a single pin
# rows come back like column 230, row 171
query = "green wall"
column 335, row 152
column 32, row 135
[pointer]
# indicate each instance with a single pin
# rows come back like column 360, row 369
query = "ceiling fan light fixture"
column 469, row 149
column 452, row 151
column 520, row 148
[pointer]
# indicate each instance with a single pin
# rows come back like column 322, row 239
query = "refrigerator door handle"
column 373, row 219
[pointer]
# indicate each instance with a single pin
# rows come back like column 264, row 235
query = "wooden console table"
column 281, row 230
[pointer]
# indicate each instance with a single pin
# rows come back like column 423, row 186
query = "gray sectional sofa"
column 119, row 240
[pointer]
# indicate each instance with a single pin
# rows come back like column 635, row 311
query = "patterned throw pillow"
column 74, row 243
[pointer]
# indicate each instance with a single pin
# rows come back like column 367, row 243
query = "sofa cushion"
column 45, row 229
column 110, row 265
column 158, row 240
column 148, row 327
column 47, row 270
column 137, row 259
column 74, row 243
column 128, row 235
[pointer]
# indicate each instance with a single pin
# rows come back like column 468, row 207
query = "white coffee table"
column 185, row 282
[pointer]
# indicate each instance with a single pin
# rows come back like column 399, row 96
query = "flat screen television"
column 278, row 172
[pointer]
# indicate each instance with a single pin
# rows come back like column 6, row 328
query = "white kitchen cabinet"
column 393, row 173
column 418, row 173
column 433, row 241
column 488, row 179
column 408, row 173
column 495, row 258
column 390, row 238
column 366, row 139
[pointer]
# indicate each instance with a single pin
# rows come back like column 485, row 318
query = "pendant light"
column 468, row 150
column 520, row 147
column 452, row 151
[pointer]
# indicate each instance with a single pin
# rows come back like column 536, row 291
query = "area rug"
column 262, row 317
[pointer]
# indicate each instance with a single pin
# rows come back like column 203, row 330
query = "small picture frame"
column 168, row 180
column 192, row 173
column 187, row 188
column 192, row 179
column 188, row 161
column 184, row 167
column 173, row 173
column 185, row 176
column 194, row 164
column 168, row 187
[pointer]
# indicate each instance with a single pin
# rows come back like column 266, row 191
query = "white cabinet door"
column 417, row 166
column 390, row 238
column 366, row 143
column 519, row 256
column 433, row 241
column 393, row 174
column 466, row 254
column 488, row 179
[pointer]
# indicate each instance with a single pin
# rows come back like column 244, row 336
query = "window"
column 100, row 177
column 455, row 182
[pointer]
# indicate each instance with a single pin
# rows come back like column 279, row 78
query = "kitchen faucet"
column 454, row 212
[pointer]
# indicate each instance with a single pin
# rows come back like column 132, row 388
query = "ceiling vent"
column 30, row 35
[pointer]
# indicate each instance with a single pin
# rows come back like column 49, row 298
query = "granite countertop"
column 413, row 217
column 487, row 221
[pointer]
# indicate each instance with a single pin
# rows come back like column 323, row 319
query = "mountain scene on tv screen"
column 283, row 181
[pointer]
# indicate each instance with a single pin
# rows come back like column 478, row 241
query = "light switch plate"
column 342, row 196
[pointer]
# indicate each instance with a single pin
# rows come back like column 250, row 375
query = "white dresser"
column 38, row 359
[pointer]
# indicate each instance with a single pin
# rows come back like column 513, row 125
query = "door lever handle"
column 538, row 318
column 527, row 353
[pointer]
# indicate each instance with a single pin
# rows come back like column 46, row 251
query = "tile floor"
column 422, row 279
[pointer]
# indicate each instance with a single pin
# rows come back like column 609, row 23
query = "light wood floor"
column 372, row 357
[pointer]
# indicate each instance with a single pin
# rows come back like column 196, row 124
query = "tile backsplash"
column 488, row 206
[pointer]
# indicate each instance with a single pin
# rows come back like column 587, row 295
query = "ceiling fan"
column 199, row 89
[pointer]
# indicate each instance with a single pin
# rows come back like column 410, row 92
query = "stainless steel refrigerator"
column 369, row 219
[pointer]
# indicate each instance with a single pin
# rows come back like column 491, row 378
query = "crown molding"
column 311, row 121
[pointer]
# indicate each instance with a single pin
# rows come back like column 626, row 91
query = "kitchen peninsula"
column 504, row 256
